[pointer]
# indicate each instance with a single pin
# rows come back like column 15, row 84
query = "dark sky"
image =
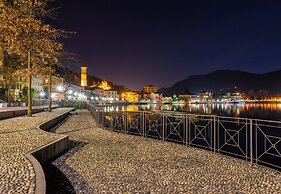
column 139, row 42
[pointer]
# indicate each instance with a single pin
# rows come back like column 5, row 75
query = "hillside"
column 221, row 80
column 74, row 78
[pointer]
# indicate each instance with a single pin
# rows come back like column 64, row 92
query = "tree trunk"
column 29, row 97
column 9, row 95
column 1, row 62
column 50, row 93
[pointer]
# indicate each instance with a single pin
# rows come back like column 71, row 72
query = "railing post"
column 251, row 141
column 215, row 139
column 143, row 126
column 126, row 122
column 111, row 120
column 163, row 126
column 218, row 140
column 186, row 130
column 102, row 119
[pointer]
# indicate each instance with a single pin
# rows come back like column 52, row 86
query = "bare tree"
column 262, row 94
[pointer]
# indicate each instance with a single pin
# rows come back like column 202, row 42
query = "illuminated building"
column 130, row 96
column 84, row 76
column 99, row 92
column 150, row 89
column 188, row 97
column 37, row 82
column 56, row 82
column 110, row 94
column 106, row 94
column 104, row 85
column 205, row 97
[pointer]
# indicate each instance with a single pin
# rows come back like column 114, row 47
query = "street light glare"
column 42, row 94
column 60, row 88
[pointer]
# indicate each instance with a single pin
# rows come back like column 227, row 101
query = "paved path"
column 110, row 162
column 18, row 136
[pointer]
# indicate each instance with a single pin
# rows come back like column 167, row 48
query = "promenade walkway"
column 110, row 162
column 17, row 137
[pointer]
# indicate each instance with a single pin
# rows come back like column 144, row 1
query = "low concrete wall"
column 47, row 152
column 16, row 113
column 40, row 187
column 52, row 150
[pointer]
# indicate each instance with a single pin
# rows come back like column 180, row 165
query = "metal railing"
column 254, row 140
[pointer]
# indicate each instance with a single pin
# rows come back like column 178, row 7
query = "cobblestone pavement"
column 113, row 162
column 17, row 137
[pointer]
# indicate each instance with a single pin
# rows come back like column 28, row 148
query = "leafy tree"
column 23, row 33
column 9, row 74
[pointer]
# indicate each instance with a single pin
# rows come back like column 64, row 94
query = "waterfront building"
column 130, row 96
column 37, row 82
column 188, row 97
column 111, row 95
column 150, row 89
column 236, row 97
column 205, row 97
column 72, row 88
column 167, row 99
column 57, row 87
column 152, row 97
column 155, row 97
column 229, row 97
column 104, row 85
column 98, row 92
column 106, row 94
column 72, row 91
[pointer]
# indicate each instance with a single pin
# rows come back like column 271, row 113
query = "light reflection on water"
column 260, row 111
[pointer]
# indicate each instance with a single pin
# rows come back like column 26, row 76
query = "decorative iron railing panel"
column 153, row 125
column 257, row 141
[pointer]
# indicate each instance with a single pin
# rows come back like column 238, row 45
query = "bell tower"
column 84, row 76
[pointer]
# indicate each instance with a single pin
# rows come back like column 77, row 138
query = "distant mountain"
column 223, row 80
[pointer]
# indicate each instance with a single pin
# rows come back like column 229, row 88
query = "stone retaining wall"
column 47, row 152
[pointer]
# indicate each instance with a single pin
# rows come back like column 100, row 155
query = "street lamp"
column 42, row 94
column 60, row 88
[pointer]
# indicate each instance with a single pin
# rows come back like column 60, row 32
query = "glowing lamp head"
column 42, row 94
column 60, row 88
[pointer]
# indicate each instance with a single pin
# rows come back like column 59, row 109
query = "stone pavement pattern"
column 18, row 136
column 112, row 162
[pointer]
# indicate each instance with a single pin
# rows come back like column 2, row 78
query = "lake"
column 270, row 111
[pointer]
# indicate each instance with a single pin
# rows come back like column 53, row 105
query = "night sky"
column 139, row 42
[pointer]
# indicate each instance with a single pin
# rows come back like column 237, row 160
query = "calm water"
column 258, row 111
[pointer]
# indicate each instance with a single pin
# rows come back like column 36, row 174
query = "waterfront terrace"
column 110, row 162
